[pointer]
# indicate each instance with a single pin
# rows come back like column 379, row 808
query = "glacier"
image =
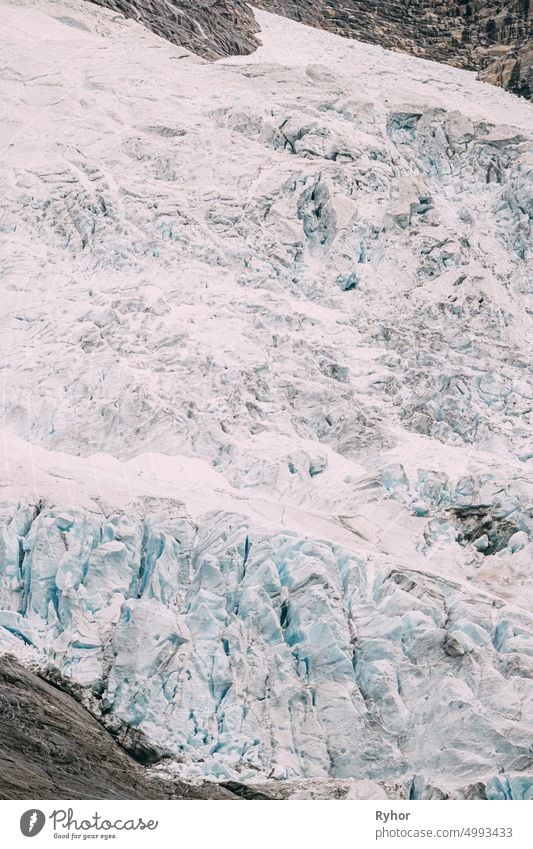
column 269, row 653
column 266, row 446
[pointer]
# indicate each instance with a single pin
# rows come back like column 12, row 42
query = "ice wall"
column 245, row 653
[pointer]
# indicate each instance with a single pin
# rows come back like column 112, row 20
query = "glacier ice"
column 266, row 465
column 268, row 654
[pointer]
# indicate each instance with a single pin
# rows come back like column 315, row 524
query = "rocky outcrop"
column 51, row 747
column 512, row 70
column 210, row 28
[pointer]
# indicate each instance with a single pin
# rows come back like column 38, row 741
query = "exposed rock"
column 51, row 747
column 211, row 28
column 512, row 69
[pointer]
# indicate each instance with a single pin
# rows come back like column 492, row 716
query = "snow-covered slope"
column 265, row 396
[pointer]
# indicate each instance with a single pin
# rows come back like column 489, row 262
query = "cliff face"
column 492, row 37
column 210, row 28
column 512, row 69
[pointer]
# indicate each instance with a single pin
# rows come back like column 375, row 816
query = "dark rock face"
column 210, row 28
column 493, row 37
column 52, row 748
column 512, row 70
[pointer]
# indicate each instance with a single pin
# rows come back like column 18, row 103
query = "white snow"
column 265, row 387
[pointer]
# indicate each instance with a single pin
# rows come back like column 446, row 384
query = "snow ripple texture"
column 300, row 280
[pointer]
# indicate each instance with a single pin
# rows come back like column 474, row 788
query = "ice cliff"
column 266, row 470
column 242, row 652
